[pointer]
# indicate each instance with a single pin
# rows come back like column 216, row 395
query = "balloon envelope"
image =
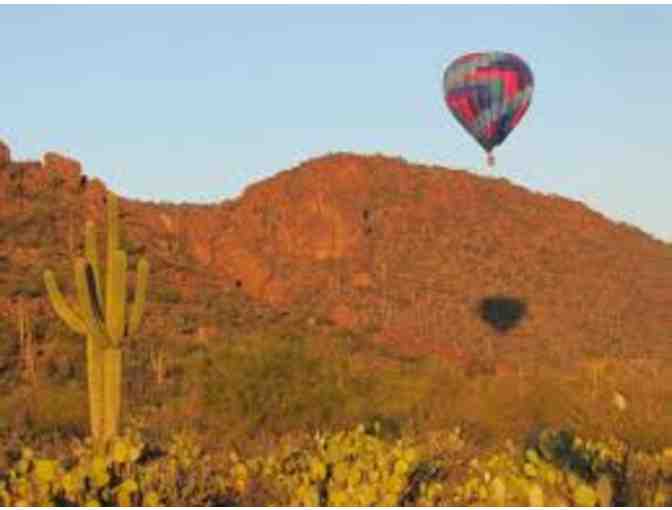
column 488, row 93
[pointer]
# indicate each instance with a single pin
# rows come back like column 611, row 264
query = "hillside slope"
column 415, row 255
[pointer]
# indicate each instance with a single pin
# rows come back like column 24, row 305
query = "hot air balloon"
column 488, row 93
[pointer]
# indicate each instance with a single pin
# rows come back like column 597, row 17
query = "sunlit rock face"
column 428, row 259
column 5, row 155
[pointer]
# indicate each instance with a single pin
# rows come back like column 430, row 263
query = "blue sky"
column 195, row 103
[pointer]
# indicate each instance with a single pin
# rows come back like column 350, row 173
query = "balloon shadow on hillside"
column 502, row 313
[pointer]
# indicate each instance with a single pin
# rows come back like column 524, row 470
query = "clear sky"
column 195, row 103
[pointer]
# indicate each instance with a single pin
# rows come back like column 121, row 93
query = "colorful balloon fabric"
column 488, row 93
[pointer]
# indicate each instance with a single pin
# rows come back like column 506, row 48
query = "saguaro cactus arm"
column 111, row 284
column 140, row 295
column 91, row 253
column 64, row 311
column 116, row 297
column 91, row 308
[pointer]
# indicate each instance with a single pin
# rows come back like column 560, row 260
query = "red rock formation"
column 68, row 167
column 5, row 155
column 410, row 251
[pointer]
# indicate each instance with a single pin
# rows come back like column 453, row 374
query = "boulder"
column 69, row 168
column 5, row 155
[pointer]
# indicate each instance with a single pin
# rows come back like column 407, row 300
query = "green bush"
column 167, row 295
column 27, row 287
column 272, row 383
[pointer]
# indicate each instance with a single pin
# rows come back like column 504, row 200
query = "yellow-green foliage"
column 503, row 479
column 103, row 320
column 564, row 470
column 275, row 384
column 353, row 467
column 349, row 468
column 650, row 477
column 182, row 475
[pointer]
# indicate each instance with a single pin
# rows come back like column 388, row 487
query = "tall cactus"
column 101, row 316
column 27, row 357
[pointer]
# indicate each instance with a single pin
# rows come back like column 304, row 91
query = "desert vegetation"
column 150, row 379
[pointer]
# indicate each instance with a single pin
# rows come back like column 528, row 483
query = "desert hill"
column 425, row 259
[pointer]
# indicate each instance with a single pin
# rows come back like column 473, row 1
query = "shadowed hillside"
column 426, row 259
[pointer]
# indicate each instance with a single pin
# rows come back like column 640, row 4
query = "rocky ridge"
column 407, row 252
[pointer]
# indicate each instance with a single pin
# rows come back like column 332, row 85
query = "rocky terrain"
column 425, row 259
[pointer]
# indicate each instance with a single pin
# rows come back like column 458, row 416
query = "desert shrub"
column 129, row 474
column 132, row 248
column 35, row 227
column 387, row 427
column 353, row 466
column 349, row 468
column 53, row 410
column 272, row 383
column 29, row 287
column 167, row 295
column 186, row 323
column 7, row 328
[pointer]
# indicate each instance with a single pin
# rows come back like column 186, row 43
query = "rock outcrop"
column 411, row 252
column 5, row 155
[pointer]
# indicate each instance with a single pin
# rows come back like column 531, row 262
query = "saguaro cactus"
column 103, row 321
column 26, row 354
